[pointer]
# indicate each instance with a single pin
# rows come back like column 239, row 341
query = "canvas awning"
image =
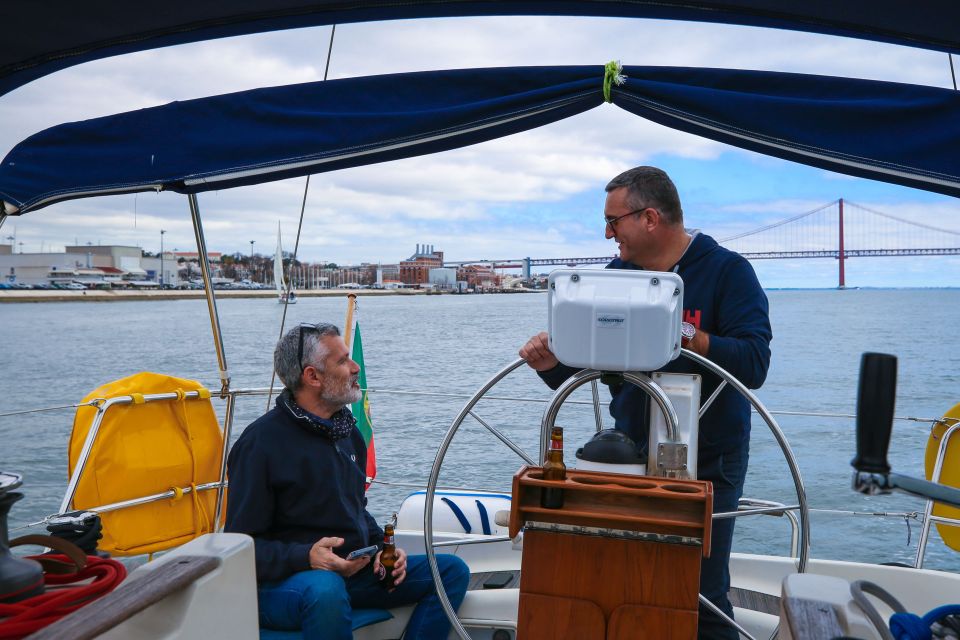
column 898, row 133
column 42, row 37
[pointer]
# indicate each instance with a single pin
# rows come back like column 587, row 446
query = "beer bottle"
column 388, row 557
column 554, row 469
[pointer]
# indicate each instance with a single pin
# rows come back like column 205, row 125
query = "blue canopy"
column 897, row 133
column 40, row 37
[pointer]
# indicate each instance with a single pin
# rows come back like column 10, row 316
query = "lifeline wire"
column 296, row 245
column 92, row 403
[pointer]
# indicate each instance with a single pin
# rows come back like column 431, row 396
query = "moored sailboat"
column 284, row 295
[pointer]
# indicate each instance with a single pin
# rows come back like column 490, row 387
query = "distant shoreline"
column 100, row 295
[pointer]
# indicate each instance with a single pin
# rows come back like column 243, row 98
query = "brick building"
column 479, row 276
column 416, row 269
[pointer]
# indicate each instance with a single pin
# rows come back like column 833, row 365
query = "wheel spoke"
column 713, row 396
column 505, row 440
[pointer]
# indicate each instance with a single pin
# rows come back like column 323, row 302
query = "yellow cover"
column 949, row 473
column 143, row 449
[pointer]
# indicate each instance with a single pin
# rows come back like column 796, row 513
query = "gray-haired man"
column 297, row 477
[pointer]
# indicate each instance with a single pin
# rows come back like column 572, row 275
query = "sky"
column 538, row 193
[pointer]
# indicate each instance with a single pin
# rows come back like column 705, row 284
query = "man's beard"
column 344, row 394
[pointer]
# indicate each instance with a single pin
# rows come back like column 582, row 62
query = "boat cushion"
column 361, row 618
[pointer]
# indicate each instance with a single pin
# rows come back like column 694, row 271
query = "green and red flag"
column 361, row 408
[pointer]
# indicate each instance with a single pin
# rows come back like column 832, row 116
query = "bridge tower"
column 842, row 257
column 526, row 268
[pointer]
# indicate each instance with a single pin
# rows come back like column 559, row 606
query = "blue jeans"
column 727, row 472
column 320, row 602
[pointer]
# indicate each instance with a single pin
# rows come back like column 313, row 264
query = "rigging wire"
column 953, row 74
column 296, row 245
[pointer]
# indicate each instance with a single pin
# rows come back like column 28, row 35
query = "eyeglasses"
column 612, row 222
column 304, row 327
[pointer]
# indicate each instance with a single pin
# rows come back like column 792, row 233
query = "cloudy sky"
column 536, row 194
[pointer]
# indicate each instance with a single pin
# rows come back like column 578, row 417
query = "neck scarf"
column 338, row 427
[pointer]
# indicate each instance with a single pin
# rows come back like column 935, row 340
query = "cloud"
column 533, row 193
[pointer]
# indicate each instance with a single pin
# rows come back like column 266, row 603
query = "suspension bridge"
column 839, row 230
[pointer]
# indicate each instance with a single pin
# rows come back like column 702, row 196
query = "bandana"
column 338, row 427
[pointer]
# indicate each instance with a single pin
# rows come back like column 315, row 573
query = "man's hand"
column 399, row 569
column 323, row 557
column 537, row 353
column 700, row 343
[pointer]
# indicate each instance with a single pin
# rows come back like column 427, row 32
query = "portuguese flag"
column 361, row 408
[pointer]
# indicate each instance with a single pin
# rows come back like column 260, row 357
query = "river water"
column 54, row 353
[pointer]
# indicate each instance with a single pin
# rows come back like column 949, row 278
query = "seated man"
column 297, row 487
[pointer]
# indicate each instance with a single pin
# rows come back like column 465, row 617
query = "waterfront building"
column 479, row 276
column 194, row 257
column 88, row 264
column 415, row 270
column 388, row 273
column 443, row 278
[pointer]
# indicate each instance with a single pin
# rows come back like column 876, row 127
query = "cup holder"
column 680, row 488
column 609, row 483
column 594, row 481
column 535, row 475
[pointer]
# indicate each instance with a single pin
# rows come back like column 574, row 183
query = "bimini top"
column 898, row 133
column 42, row 37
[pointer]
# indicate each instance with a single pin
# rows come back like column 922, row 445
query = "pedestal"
column 619, row 560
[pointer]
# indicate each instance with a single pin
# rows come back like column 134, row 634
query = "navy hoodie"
column 722, row 296
column 291, row 486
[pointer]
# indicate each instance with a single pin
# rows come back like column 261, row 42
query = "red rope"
column 22, row 618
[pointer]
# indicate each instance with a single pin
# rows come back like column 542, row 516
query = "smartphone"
column 359, row 553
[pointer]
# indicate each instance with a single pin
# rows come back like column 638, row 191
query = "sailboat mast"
column 278, row 264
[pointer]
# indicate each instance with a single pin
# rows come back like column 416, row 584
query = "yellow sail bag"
column 146, row 448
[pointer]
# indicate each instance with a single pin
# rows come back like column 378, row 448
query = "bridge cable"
column 910, row 222
column 779, row 223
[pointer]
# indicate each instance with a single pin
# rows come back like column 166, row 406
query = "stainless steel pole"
column 211, row 298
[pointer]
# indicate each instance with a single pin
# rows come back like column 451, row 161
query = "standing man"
column 297, row 487
column 728, row 311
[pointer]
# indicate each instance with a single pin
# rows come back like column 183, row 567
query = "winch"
column 19, row 578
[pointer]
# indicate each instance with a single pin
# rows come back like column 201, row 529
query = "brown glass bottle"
column 388, row 557
column 554, row 469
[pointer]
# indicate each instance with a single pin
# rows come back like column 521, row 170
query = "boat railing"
column 928, row 517
column 755, row 506
column 102, row 407
column 748, row 506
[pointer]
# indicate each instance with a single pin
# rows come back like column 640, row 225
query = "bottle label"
column 556, row 445
column 387, row 539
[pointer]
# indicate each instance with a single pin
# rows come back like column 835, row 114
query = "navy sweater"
column 291, row 486
column 722, row 296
